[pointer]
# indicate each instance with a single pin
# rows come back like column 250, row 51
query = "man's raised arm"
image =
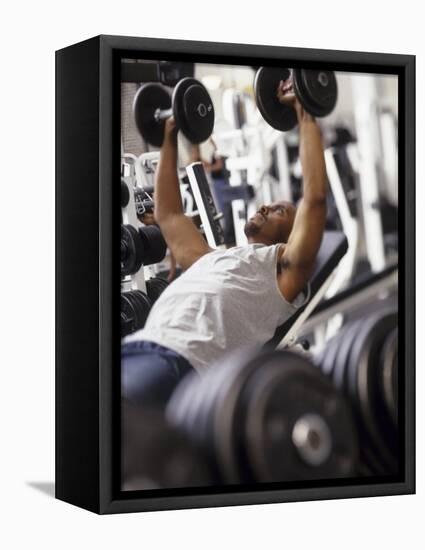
column 180, row 233
column 300, row 252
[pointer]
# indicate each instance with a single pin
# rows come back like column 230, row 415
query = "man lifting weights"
column 226, row 299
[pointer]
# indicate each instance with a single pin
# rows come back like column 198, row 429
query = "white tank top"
column 227, row 300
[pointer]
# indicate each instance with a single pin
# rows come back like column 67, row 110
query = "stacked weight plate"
column 267, row 417
column 135, row 308
column 362, row 362
column 155, row 287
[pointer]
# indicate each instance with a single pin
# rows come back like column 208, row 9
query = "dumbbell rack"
column 129, row 216
column 144, row 168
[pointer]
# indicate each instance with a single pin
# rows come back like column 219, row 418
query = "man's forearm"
column 312, row 160
column 167, row 186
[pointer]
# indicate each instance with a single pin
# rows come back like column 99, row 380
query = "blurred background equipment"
column 156, row 455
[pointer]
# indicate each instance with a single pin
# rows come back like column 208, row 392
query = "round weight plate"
column 143, row 308
column 135, row 305
column 332, row 347
column 148, row 99
column 228, row 378
column 363, row 378
column 199, row 114
column 317, row 90
column 128, row 251
column 154, row 246
column 155, row 287
column 389, row 361
column 131, row 250
column 156, row 455
column 297, row 426
column 194, row 113
column 192, row 407
column 128, row 315
column 125, row 194
column 266, row 83
column 339, row 373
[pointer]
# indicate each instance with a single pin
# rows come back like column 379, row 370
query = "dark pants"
column 150, row 373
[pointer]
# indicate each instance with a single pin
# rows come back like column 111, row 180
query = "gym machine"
column 210, row 217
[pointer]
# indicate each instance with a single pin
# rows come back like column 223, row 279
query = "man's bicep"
column 299, row 257
column 184, row 240
column 306, row 235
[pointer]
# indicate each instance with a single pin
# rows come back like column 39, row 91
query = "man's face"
column 271, row 224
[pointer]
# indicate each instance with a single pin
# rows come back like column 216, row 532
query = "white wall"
column 30, row 32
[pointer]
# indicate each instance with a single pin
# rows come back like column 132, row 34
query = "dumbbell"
column 154, row 245
column 190, row 104
column 131, row 250
column 362, row 362
column 145, row 246
column 156, row 455
column 316, row 90
column 155, row 287
column 135, row 308
column 265, row 417
column 125, row 194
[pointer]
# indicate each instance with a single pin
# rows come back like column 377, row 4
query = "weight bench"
column 333, row 248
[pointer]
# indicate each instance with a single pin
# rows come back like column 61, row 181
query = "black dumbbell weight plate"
column 135, row 304
column 363, row 379
column 339, row 373
column 132, row 251
column 128, row 315
column 148, row 99
column 127, row 251
column 192, row 409
column 125, row 194
column 131, row 297
column 155, row 287
column 284, row 393
column 193, row 110
column 154, row 245
column 389, row 362
column 332, row 347
column 266, row 83
column 144, row 305
column 317, row 90
column 216, row 399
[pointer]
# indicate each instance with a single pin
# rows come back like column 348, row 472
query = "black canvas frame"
column 87, row 271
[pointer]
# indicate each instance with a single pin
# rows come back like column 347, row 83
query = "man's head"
column 271, row 224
